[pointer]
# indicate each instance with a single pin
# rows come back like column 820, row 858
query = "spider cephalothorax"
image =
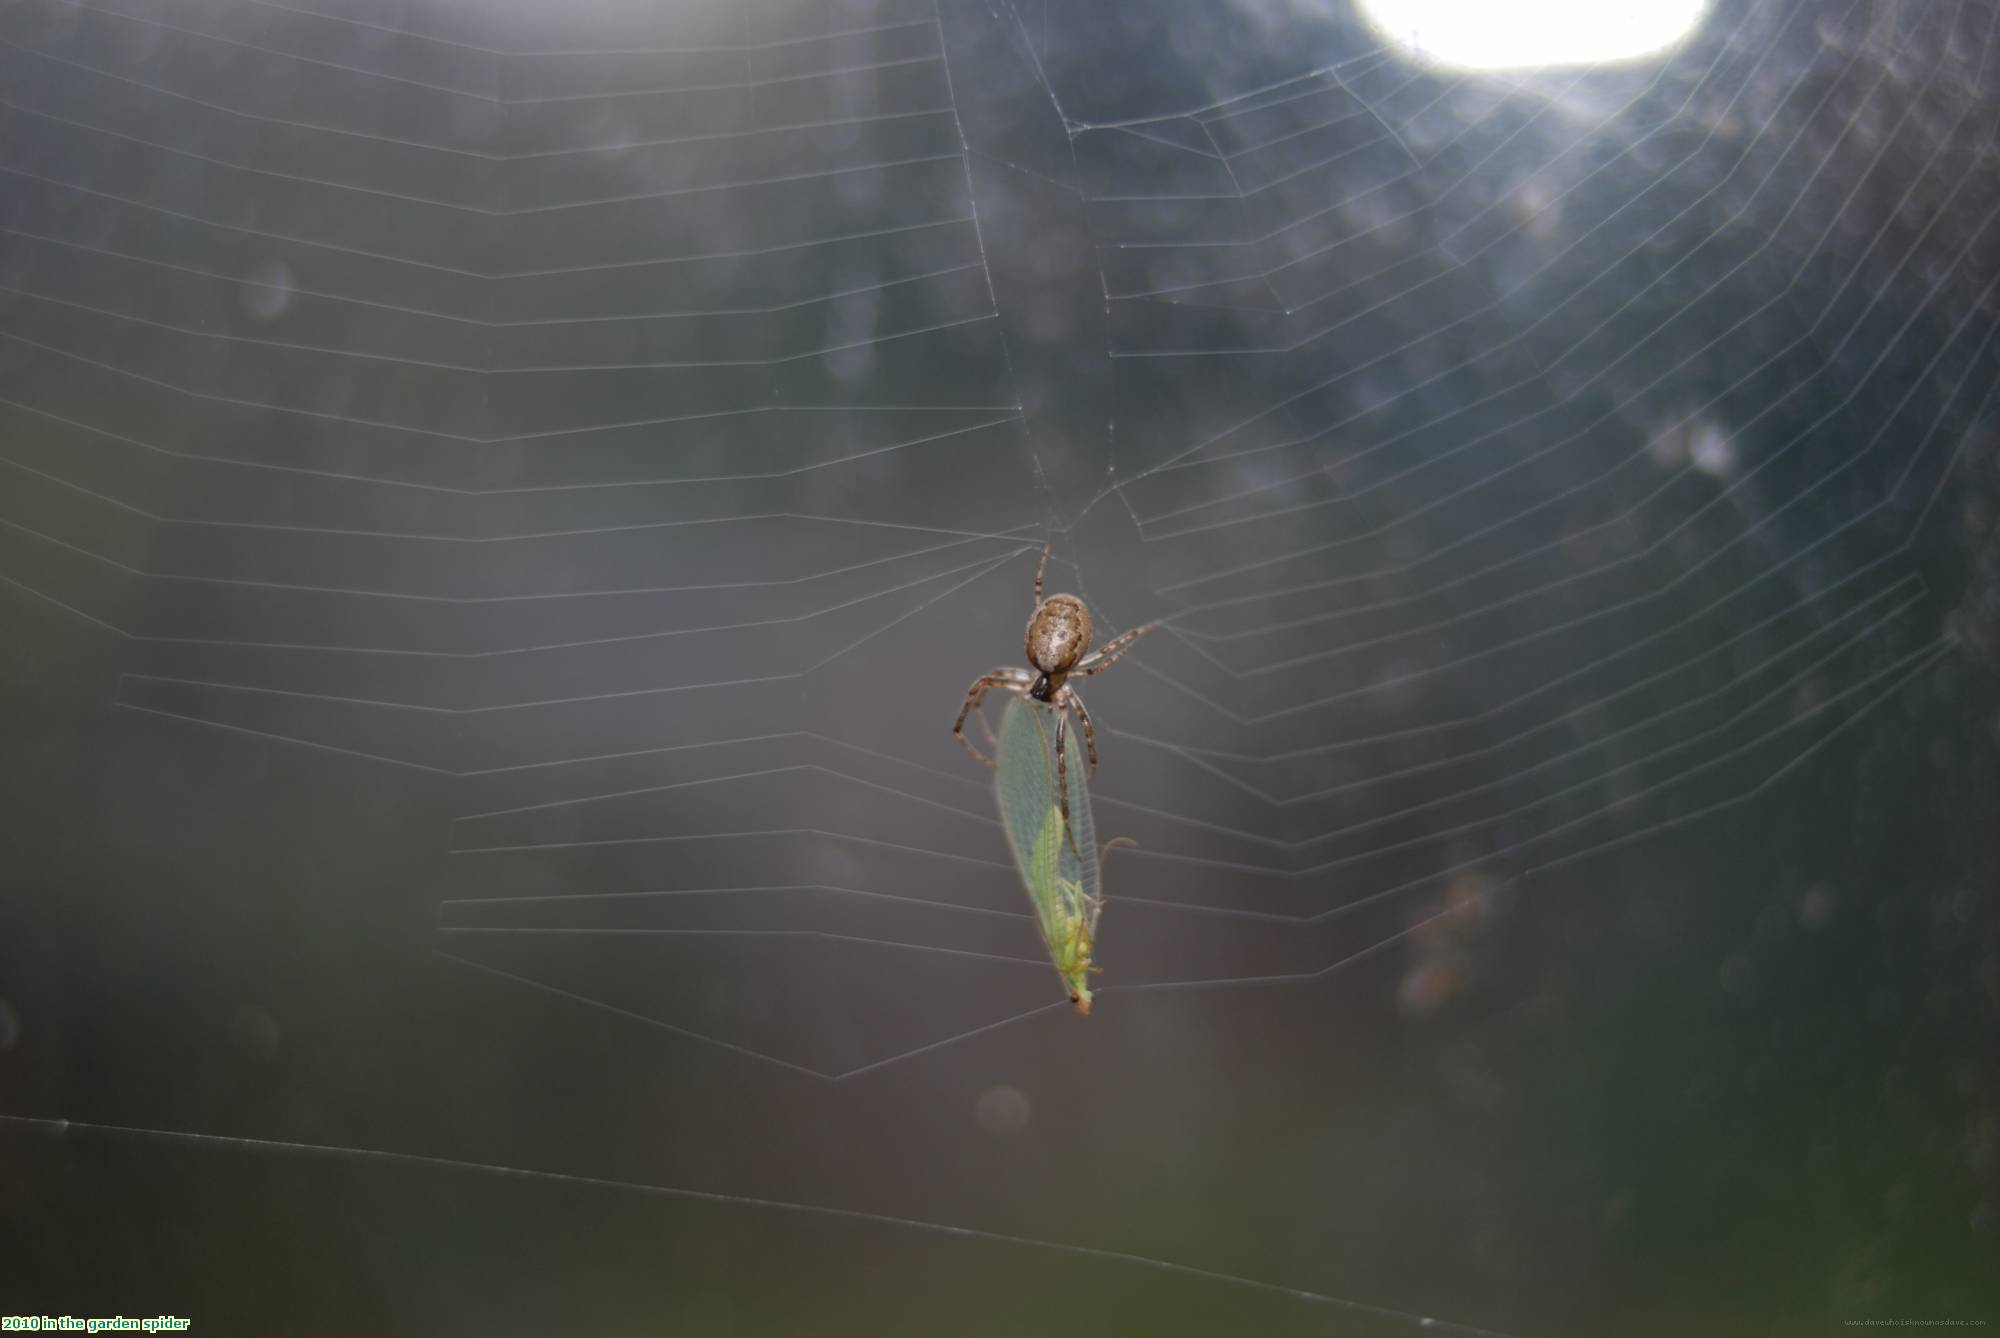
column 1058, row 646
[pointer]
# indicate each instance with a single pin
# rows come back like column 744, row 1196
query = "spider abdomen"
column 1058, row 634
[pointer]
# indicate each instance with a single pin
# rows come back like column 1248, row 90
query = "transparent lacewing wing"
column 1059, row 866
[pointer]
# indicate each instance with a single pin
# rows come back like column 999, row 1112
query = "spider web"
column 616, row 437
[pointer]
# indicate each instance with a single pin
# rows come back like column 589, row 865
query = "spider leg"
column 1062, row 766
column 1089, row 730
column 1023, row 680
column 1106, row 656
column 999, row 678
column 1041, row 567
column 1062, row 777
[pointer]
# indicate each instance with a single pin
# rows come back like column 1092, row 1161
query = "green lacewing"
column 1058, row 861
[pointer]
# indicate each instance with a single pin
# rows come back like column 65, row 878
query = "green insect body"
column 1058, row 861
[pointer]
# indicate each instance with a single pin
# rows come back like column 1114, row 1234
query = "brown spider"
column 1058, row 642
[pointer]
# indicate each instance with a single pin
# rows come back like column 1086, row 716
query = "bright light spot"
column 268, row 291
column 1712, row 451
column 1695, row 441
column 1529, row 34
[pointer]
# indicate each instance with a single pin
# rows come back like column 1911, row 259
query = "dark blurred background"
column 500, row 502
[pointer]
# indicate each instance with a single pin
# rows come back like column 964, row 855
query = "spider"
column 1058, row 639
